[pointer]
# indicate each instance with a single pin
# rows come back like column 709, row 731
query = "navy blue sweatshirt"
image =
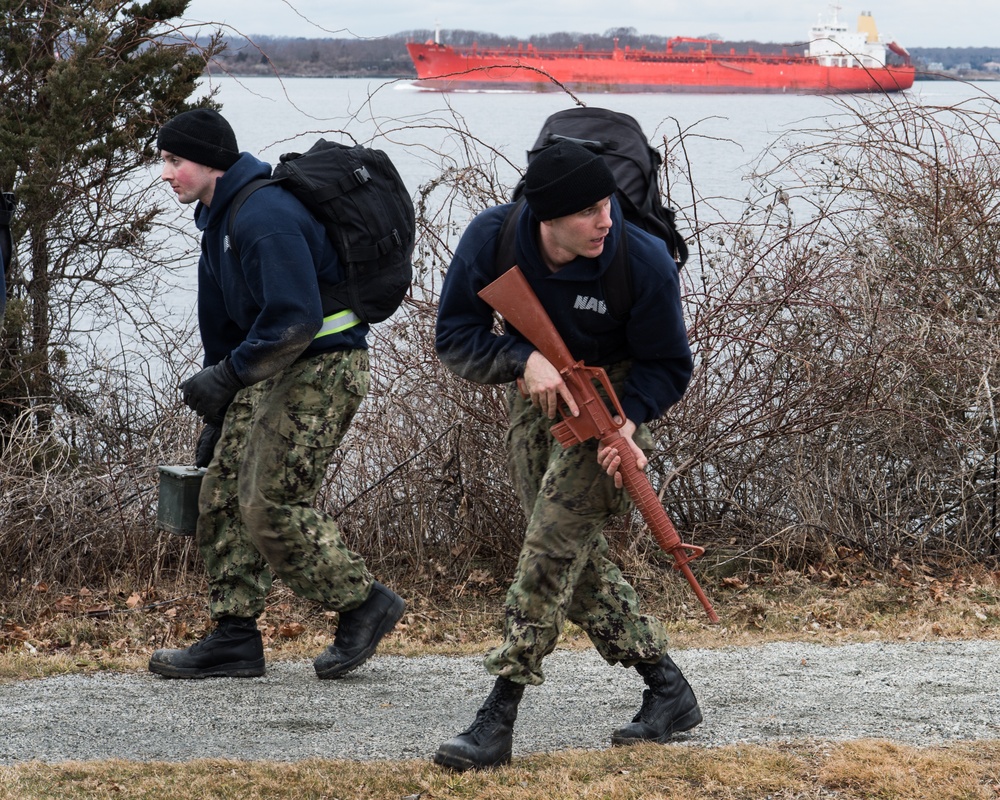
column 653, row 336
column 264, row 308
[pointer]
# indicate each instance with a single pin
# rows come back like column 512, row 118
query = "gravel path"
column 401, row 708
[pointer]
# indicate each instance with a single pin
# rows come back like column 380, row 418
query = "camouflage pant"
column 563, row 571
column 256, row 516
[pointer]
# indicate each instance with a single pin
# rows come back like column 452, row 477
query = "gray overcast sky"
column 912, row 23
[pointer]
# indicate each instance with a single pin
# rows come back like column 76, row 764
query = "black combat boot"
column 668, row 706
column 233, row 650
column 490, row 738
column 359, row 631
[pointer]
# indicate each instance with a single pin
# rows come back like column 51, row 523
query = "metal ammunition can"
column 177, row 509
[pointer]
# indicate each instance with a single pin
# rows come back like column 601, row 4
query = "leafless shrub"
column 78, row 499
column 845, row 331
column 846, row 352
column 434, row 494
column 846, row 338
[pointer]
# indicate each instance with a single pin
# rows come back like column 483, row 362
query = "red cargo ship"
column 836, row 60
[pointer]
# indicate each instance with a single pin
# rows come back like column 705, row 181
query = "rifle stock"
column 512, row 296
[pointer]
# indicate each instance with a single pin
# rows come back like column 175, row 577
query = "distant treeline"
column 387, row 57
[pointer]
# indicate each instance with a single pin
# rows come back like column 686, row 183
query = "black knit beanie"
column 565, row 178
column 202, row 136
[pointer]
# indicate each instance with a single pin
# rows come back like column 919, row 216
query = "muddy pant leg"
column 563, row 571
column 567, row 499
column 606, row 607
column 554, row 553
column 300, row 417
column 238, row 576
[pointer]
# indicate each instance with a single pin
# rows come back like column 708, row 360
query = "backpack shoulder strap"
column 506, row 250
column 617, row 281
column 237, row 204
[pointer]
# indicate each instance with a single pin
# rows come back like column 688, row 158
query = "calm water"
column 723, row 134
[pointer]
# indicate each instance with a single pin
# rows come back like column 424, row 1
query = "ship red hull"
column 445, row 68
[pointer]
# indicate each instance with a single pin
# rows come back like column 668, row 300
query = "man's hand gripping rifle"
column 513, row 298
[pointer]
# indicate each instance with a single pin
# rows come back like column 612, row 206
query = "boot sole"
column 691, row 719
column 241, row 669
column 461, row 763
column 392, row 616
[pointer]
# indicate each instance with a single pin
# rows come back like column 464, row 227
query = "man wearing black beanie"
column 203, row 136
column 279, row 386
column 568, row 236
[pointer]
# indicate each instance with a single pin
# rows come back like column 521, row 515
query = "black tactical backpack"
column 619, row 139
column 357, row 194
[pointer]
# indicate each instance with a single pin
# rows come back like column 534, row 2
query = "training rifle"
column 512, row 296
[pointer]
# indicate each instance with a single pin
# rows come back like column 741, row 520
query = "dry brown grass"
column 846, row 771
column 83, row 630
column 837, row 454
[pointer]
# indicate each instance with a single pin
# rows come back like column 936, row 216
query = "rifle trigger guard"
column 683, row 553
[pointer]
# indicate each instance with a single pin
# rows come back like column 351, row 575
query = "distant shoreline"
column 978, row 77
column 387, row 58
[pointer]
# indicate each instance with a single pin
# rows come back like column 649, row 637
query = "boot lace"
column 493, row 710
column 202, row 643
column 648, row 696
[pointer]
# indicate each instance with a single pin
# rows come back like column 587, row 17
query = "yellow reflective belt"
column 338, row 322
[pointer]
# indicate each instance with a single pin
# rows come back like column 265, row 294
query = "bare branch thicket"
column 846, row 338
column 84, row 342
column 843, row 401
column 426, row 449
column 79, row 494
column 79, row 474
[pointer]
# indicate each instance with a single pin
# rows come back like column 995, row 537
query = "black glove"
column 207, row 441
column 212, row 389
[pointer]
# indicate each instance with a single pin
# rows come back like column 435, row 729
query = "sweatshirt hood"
column 580, row 268
column 246, row 169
